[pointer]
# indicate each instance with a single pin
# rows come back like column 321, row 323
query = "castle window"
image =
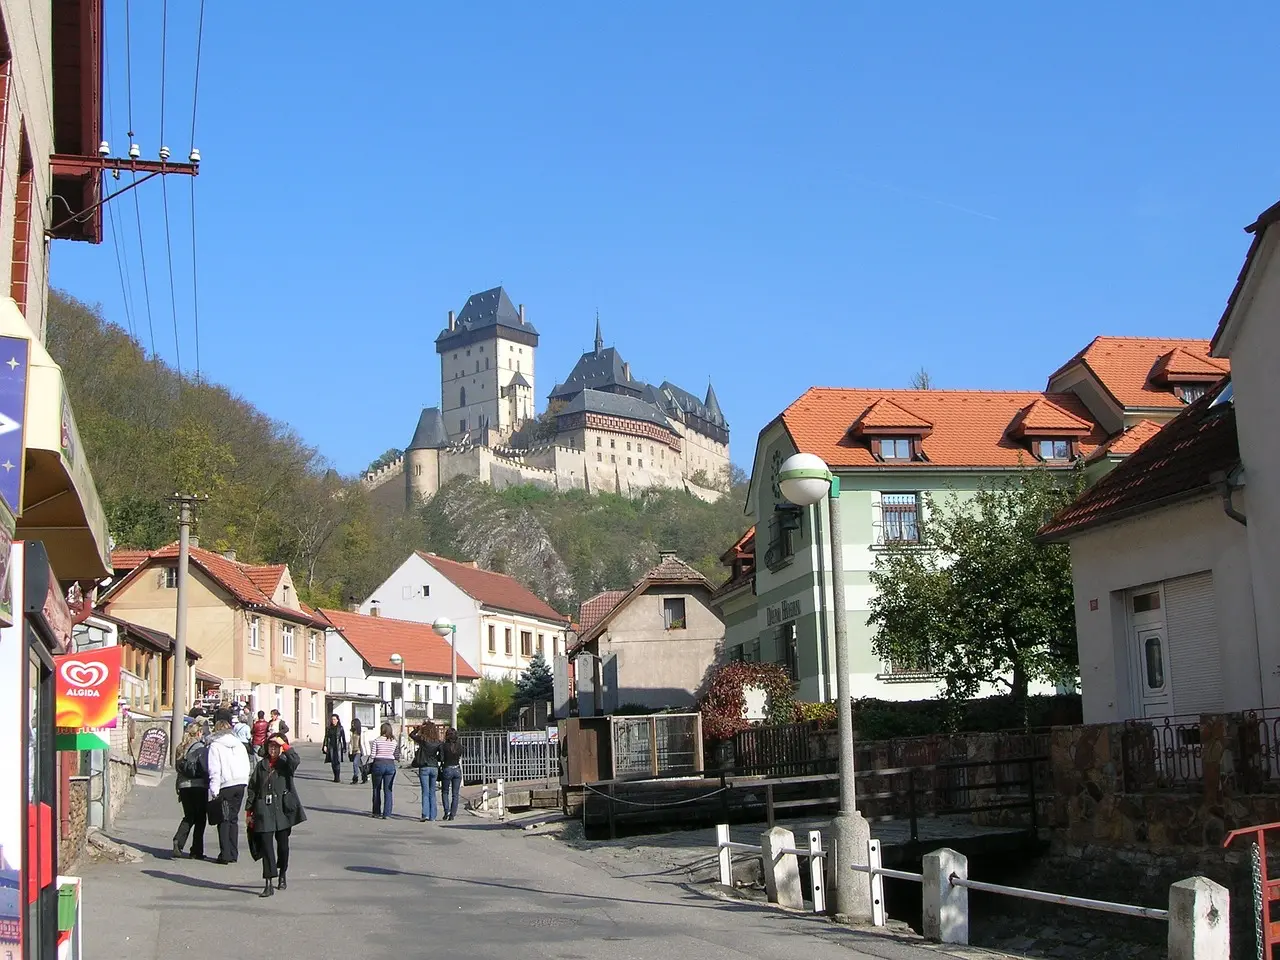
column 651, row 449
column 468, row 353
column 482, row 348
column 628, row 461
column 517, row 366
column 598, row 441
column 462, row 397
column 628, row 444
column 462, row 425
column 417, row 470
column 613, row 458
column 613, row 444
column 640, row 464
column 477, row 366
column 486, row 363
column 599, row 457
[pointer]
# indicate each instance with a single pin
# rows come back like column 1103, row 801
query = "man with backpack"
column 192, row 769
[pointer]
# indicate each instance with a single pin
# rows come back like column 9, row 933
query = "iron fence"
column 512, row 755
column 1163, row 754
column 657, row 745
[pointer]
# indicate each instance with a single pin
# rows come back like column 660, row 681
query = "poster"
column 153, row 750
column 88, row 689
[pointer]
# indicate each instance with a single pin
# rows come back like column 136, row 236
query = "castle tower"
column 422, row 458
column 487, row 368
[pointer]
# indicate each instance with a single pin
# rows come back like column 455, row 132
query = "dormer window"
column 1190, row 392
column 1053, row 449
column 895, row 448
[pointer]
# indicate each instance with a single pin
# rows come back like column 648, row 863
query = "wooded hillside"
column 273, row 498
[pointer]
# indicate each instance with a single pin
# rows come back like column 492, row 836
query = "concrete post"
column 1199, row 920
column 724, row 854
column 946, row 907
column 781, row 870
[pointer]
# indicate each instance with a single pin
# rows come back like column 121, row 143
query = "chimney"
column 626, row 370
column 522, row 314
column 229, row 554
column 374, row 609
column 353, row 606
column 453, row 322
column 193, row 541
column 666, row 555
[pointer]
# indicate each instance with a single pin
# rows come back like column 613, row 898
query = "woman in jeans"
column 450, row 773
column 359, row 750
column 427, row 763
column 382, row 755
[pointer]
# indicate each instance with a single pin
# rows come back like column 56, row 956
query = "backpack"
column 194, row 764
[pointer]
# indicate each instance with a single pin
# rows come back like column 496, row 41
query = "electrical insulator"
column 164, row 153
column 104, row 149
column 135, row 151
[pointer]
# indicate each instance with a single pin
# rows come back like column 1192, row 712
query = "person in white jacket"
column 228, row 777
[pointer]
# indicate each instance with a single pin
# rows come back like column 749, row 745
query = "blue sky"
column 772, row 196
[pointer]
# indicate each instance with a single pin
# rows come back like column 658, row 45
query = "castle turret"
column 422, row 458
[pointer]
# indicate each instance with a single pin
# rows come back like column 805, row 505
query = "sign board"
column 154, row 750
column 15, row 353
column 516, row 738
column 88, row 689
column 786, row 610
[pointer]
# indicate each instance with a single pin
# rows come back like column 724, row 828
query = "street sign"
column 15, row 353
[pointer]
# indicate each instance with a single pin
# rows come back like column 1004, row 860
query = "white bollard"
column 502, row 800
column 1199, row 920
column 878, row 917
column 946, row 907
column 726, row 855
column 484, row 798
column 781, row 870
column 817, row 872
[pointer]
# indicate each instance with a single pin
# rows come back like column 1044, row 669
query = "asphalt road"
column 361, row 888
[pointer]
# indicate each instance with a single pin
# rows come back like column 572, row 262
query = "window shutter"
column 1195, row 659
column 877, row 519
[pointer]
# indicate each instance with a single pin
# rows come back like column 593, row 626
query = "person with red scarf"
column 274, row 810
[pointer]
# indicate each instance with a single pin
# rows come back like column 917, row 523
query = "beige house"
column 248, row 624
column 652, row 644
column 1176, row 553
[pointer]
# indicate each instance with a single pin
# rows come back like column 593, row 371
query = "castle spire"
column 599, row 337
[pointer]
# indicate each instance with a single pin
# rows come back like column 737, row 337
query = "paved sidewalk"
column 399, row 888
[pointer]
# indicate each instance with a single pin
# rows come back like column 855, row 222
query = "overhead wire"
column 195, row 281
column 164, row 188
column 126, row 292
column 142, row 253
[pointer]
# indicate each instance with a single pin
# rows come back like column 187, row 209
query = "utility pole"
column 453, row 677
column 186, row 516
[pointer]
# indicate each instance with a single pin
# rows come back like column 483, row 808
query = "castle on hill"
column 603, row 430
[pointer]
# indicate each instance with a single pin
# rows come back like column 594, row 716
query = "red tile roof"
column 122, row 561
column 1125, row 365
column 1044, row 418
column 884, row 414
column 377, row 638
column 671, row 570
column 241, row 580
column 744, row 546
column 493, row 589
column 1181, row 365
column 1178, row 463
column 266, row 578
column 970, row 427
column 595, row 609
column 1129, row 440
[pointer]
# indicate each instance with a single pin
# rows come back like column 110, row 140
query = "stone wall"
column 71, row 844
column 120, row 771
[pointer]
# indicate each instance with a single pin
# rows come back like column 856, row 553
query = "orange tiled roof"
column 745, row 545
column 595, row 609
column 1125, row 366
column 884, row 414
column 670, row 570
column 493, row 589
column 377, row 638
column 266, row 578
column 122, row 561
column 1180, row 462
column 1181, row 364
column 971, row 428
column 1043, row 417
column 1129, row 440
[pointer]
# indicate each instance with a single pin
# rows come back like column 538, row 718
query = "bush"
column 488, row 705
column 886, row 719
column 722, row 704
column 823, row 714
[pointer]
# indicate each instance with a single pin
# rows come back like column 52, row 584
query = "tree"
column 982, row 602
column 387, row 458
column 921, row 380
column 536, row 684
column 489, row 702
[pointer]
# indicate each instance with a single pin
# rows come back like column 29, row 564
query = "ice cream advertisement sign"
column 88, row 689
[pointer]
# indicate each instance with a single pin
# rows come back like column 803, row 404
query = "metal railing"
column 509, row 755
column 815, row 853
column 1062, row 899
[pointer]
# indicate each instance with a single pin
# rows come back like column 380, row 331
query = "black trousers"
column 227, row 809
column 336, row 763
column 195, row 808
column 275, row 855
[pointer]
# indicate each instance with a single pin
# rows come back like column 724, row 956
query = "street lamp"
column 444, row 627
column 398, row 661
column 805, row 480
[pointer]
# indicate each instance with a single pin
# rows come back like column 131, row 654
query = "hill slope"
column 149, row 431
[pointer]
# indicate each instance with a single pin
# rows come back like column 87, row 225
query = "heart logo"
column 80, row 674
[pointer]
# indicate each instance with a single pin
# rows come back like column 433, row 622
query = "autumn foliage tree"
column 724, row 700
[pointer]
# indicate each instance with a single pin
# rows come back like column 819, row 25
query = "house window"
column 315, row 709
column 493, row 639
column 895, row 448
column 782, row 527
column 613, row 444
column 526, row 643
column 507, row 641
column 899, row 513
column 313, row 647
column 1146, row 602
column 286, row 595
column 1190, row 392
column 599, row 457
column 673, row 613
column 1155, row 663
column 426, row 589
column 255, row 633
column 171, row 578
column 788, row 652
column 1053, row 449
column 382, row 690
column 286, row 643
column 542, row 649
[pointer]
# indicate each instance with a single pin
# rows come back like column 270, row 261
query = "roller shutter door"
column 1194, row 656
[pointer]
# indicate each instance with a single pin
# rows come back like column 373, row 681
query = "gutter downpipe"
column 1227, row 488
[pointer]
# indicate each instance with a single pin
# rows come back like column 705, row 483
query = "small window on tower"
column 640, row 464
column 599, row 457
column 599, row 442
column 613, row 444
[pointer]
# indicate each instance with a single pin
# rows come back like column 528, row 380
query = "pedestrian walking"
column 359, row 752
column 335, row 746
column 273, row 810
column 273, row 725
column 427, row 762
column 192, row 769
column 383, row 753
column 243, row 731
column 258, row 732
column 228, row 777
column 450, row 774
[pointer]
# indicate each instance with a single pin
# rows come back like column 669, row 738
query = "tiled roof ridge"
column 881, row 405
column 1127, row 434
column 510, row 593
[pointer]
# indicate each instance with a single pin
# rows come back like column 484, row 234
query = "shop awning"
column 60, row 505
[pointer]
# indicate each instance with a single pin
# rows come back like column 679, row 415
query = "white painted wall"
column 1170, row 543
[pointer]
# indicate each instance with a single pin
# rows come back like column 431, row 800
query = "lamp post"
column 444, row 627
column 804, row 480
column 398, row 661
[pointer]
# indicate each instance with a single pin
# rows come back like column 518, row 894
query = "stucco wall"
column 1174, row 542
column 659, row 667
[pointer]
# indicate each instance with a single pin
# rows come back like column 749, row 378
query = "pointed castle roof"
column 482, row 312
column 430, row 434
column 712, row 403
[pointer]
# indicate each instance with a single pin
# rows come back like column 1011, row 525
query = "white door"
column 1149, row 653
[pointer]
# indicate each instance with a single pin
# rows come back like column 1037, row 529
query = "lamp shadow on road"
column 247, row 890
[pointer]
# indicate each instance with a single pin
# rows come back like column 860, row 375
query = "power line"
column 195, row 94
column 195, row 286
column 173, row 301
column 164, row 55
column 142, row 252
column 128, row 63
column 126, row 287
column 125, row 296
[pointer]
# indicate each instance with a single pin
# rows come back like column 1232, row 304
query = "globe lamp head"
column 804, row 479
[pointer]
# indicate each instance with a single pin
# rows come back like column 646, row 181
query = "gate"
column 512, row 755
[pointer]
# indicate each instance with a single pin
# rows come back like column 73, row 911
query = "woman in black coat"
column 274, row 809
column 335, row 746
